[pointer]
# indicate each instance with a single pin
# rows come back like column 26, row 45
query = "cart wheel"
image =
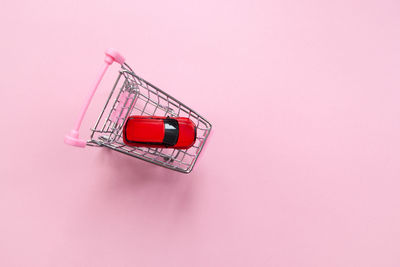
column 166, row 158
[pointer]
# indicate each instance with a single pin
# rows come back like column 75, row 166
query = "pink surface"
column 303, row 168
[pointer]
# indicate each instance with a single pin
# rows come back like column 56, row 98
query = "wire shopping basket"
column 132, row 95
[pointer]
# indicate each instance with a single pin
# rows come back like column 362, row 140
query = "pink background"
column 303, row 168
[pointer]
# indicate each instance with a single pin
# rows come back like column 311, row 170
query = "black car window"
column 171, row 132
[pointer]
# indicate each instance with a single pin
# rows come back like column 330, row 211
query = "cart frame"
column 132, row 95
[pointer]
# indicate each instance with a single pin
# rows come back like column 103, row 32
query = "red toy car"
column 162, row 132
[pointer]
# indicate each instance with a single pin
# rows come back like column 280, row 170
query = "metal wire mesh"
column 132, row 95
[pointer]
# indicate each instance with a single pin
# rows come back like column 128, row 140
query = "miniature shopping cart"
column 132, row 95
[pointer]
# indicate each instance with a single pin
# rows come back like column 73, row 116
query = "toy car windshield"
column 171, row 132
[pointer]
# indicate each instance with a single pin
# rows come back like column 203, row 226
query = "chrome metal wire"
column 132, row 95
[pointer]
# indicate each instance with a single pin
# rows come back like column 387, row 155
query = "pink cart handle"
column 73, row 137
